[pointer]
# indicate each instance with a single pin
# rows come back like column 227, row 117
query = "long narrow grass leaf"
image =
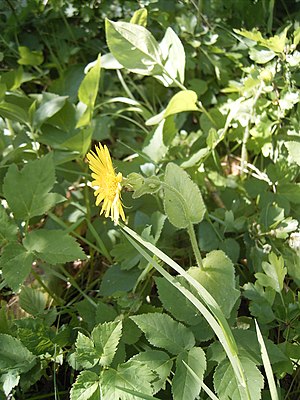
column 217, row 322
column 267, row 364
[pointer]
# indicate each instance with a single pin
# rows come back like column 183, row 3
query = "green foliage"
column 198, row 104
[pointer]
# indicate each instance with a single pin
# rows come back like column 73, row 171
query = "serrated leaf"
column 106, row 338
column 184, row 384
column 85, row 354
column 27, row 191
column 16, row 263
column 183, row 200
column 8, row 229
column 164, row 332
column 53, row 246
column 217, row 276
column 294, row 150
column 134, row 47
column 130, row 375
column 14, row 355
column 274, row 273
column 159, row 362
column 227, row 387
column 86, row 387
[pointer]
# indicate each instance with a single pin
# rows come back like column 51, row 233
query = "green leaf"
column 294, row 150
column 185, row 100
column 275, row 273
column 33, row 301
column 49, row 106
column 13, row 112
column 162, row 331
column 117, row 280
column 217, row 276
column 156, row 148
column 159, row 362
column 86, row 387
column 176, row 303
column 28, row 57
column 140, row 17
column 9, row 380
column 27, row 191
column 106, row 338
column 130, row 375
column 16, row 263
column 184, row 384
column 88, row 88
column 53, row 246
column 87, row 92
column 134, row 47
column 14, row 355
column 173, row 57
column 183, row 201
column 8, row 229
column 227, row 387
column 85, row 354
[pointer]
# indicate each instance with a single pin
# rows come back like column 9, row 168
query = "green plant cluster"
column 196, row 295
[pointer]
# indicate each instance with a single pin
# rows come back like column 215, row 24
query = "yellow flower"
column 108, row 184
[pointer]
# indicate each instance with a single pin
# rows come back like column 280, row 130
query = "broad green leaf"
column 140, row 17
column 156, row 148
column 14, row 355
column 142, row 185
column 176, row 303
column 185, row 100
column 50, row 105
column 106, row 338
column 88, row 88
column 27, row 191
column 174, row 58
column 86, row 387
column 275, row 273
column 134, row 47
column 8, row 229
column 131, row 375
column 28, row 57
column 159, row 362
column 117, row 280
column 16, row 263
column 162, row 331
column 87, row 92
column 9, row 380
column 33, row 301
column 227, row 387
column 184, row 384
column 261, row 56
column 217, row 276
column 13, row 112
column 294, row 150
column 182, row 198
column 53, row 246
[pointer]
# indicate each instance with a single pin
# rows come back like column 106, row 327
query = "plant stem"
column 193, row 239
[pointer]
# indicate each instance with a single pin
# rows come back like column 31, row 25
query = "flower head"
column 107, row 182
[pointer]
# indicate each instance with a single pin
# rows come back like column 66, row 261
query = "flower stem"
column 193, row 239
